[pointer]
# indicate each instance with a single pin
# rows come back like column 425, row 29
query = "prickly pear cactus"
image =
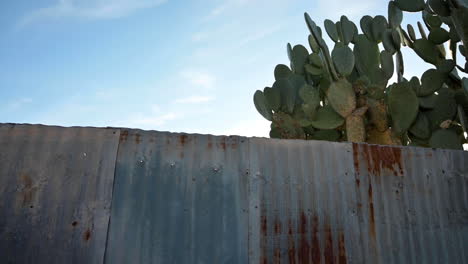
column 348, row 93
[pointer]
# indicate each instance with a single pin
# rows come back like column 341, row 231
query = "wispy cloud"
column 17, row 104
column 154, row 121
column 88, row 9
column 194, row 100
column 199, row 78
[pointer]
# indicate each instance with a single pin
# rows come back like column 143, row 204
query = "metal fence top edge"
column 258, row 140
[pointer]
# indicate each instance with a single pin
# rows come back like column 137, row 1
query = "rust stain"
column 358, row 182
column 277, row 226
column 137, row 138
column 87, row 235
column 356, row 157
column 371, row 213
column 292, row 246
column 210, row 145
column 341, row 249
column 29, row 191
column 315, row 241
column 277, row 256
column 124, row 135
column 383, row 157
column 304, row 248
column 183, row 139
column 223, row 145
column 263, row 225
column 329, row 254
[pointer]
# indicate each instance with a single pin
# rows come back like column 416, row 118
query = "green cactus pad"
column 415, row 84
column 300, row 56
column 445, row 139
column 445, row 108
column 348, row 30
column 273, row 98
column 327, row 118
column 366, row 54
column 395, row 15
column 427, row 102
column 341, row 97
column 366, row 26
column 403, row 106
column 440, row 7
column 431, row 81
column 446, row 66
column 410, row 5
column 332, row 32
column 282, row 72
column 396, row 38
column 311, row 97
column 313, row 44
column 387, row 41
column 421, row 127
column 411, row 32
column 343, row 59
column 311, row 69
column 386, row 59
column 288, row 94
column 438, row 35
column 432, row 21
column 326, row 135
column 262, row 105
column 289, row 51
column 426, row 50
column 379, row 25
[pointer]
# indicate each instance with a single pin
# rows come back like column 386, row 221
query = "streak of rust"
column 329, row 254
column 137, row 138
column 277, row 226
column 341, row 249
column 223, row 145
column 124, row 135
column 29, row 191
column 356, row 157
column 292, row 246
column 210, row 145
column 277, row 255
column 378, row 158
column 304, row 247
column 371, row 213
column 183, row 139
column 358, row 182
column 87, row 235
column 263, row 225
column 315, row 240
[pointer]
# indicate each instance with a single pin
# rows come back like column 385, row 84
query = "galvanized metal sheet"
column 179, row 199
column 321, row 202
column 55, row 193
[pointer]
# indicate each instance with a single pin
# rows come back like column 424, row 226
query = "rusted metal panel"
column 301, row 205
column 179, row 198
column 55, row 193
column 321, row 202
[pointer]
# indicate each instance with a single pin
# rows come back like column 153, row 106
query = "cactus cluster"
column 346, row 94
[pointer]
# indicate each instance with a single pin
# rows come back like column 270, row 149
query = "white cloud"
column 194, row 99
column 154, row 121
column 199, row 78
column 88, row 9
column 17, row 104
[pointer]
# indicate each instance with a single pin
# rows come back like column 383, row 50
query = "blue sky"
column 170, row 65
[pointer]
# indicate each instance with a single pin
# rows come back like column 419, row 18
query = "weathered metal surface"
column 321, row 202
column 179, row 199
column 55, row 193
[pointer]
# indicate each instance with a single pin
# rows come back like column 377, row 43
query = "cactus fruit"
column 347, row 94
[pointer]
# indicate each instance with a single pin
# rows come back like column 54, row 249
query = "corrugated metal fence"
column 89, row 195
